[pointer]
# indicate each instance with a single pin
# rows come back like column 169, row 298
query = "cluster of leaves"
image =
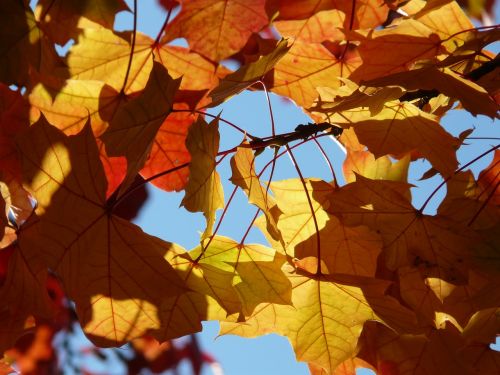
column 354, row 275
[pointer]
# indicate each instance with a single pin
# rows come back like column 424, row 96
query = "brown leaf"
column 100, row 258
column 63, row 20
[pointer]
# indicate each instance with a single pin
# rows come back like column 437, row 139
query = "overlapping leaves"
column 340, row 256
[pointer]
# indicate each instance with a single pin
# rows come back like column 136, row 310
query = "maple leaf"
column 217, row 28
column 64, row 20
column 23, row 45
column 243, row 168
column 210, row 295
column 100, row 258
column 434, row 15
column 77, row 129
column 24, row 296
column 364, row 163
column 363, row 14
column 345, row 250
column 169, row 151
column 326, row 318
column 472, row 96
column 401, row 127
column 348, row 367
column 204, row 190
column 307, row 66
column 103, row 55
column 432, row 243
column 134, row 127
column 255, row 271
column 68, row 103
column 198, row 73
column 442, row 351
column 412, row 39
column 248, row 74
column 320, row 27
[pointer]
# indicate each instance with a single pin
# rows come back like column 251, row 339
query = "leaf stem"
column 226, row 207
column 242, row 241
column 134, row 33
column 328, row 161
column 220, row 118
column 149, row 179
column 309, row 201
column 165, row 23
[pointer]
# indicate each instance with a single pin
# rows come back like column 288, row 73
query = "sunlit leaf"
column 204, row 190
column 434, row 244
column 307, row 66
column 320, row 27
column 244, row 176
column 169, row 151
column 134, row 127
column 413, row 41
column 346, row 250
column 248, row 74
column 217, row 28
column 67, row 104
column 103, row 55
column 473, row 97
column 100, row 258
column 382, row 168
column 447, row 20
column 196, row 71
column 326, row 318
column 255, row 271
column 399, row 128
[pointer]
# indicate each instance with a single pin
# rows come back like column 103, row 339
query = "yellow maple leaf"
column 204, row 190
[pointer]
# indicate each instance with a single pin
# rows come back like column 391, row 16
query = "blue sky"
column 161, row 216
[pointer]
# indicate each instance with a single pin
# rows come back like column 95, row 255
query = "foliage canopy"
column 353, row 275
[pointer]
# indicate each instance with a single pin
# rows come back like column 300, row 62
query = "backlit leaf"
column 23, row 294
column 416, row 354
column 248, row 74
column 346, row 250
column 103, row 55
column 243, row 175
column 255, row 271
column 217, row 28
column 318, row 28
column 134, row 127
column 169, row 151
column 307, row 66
column 326, row 318
column 100, row 258
column 432, row 243
column 382, row 168
column 473, row 97
column 401, row 127
column 23, row 45
column 412, row 39
column 63, row 20
column 204, row 190
column 69, row 103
